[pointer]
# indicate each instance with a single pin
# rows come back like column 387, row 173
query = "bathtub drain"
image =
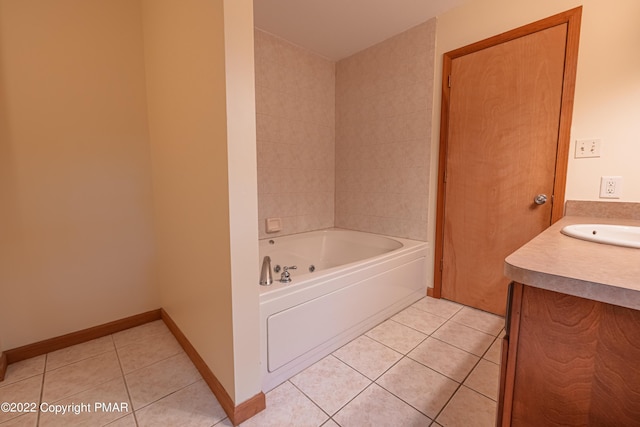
column 312, row 268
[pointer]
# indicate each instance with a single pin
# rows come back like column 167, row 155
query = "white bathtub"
column 360, row 279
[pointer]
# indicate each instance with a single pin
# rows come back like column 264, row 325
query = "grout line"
column 159, row 398
column 124, row 380
column 170, row 394
column 400, row 398
column 433, row 420
column 309, row 397
column 461, row 349
column 406, row 355
column 461, row 384
column 151, row 364
column 83, row 358
column 370, row 381
column 362, row 373
column 402, row 324
column 356, row 396
column 493, row 334
column 42, row 388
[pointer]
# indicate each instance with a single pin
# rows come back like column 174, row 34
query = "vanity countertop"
column 564, row 264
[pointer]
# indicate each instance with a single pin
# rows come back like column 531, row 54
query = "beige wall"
column 243, row 195
column 383, row 130
column 295, row 106
column 184, row 52
column 76, row 242
column 193, row 138
column 607, row 87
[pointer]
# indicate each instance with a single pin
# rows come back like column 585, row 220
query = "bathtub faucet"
column 265, row 274
column 286, row 276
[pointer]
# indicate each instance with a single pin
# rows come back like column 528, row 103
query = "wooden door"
column 504, row 122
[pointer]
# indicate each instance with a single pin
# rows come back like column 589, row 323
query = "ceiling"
column 336, row 29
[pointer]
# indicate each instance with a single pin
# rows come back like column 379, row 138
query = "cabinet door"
column 577, row 362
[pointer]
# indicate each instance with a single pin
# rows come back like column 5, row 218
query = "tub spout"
column 265, row 274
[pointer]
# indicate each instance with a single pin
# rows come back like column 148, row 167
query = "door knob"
column 540, row 199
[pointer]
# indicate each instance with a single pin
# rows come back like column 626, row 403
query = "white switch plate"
column 587, row 148
column 610, row 187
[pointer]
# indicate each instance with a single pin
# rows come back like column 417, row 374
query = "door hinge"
column 449, row 80
column 441, row 264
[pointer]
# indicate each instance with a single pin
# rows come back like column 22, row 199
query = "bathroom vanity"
column 571, row 352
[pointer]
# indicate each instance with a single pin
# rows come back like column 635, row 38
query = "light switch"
column 587, row 148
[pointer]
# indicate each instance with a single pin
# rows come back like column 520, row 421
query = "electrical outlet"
column 610, row 187
column 587, row 148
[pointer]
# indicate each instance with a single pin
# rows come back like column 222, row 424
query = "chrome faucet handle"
column 286, row 276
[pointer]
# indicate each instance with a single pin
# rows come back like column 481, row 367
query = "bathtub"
column 345, row 283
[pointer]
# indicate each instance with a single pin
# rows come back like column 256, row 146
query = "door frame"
column 570, row 17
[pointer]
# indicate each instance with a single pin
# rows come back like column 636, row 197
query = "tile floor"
column 434, row 363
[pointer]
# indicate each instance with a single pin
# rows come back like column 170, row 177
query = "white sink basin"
column 619, row 235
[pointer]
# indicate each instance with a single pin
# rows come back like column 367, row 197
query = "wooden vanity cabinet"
column 568, row 361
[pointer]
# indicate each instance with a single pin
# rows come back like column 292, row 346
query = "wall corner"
column 3, row 365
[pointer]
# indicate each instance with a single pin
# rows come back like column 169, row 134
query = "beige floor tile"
column 397, row 336
column 82, row 409
column 167, row 389
column 377, row 407
column 25, row 391
column 468, row 408
column 128, row 421
column 485, row 379
column 367, row 356
column 24, row 369
column 139, row 333
column 194, row 405
column 466, row 338
column 480, row 320
column 439, row 307
column 148, row 351
column 444, row 358
column 494, row 354
column 27, row 420
column 80, row 376
column 154, row 382
column 423, row 388
column 287, row 406
column 330, row 383
column 419, row 320
column 79, row 352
